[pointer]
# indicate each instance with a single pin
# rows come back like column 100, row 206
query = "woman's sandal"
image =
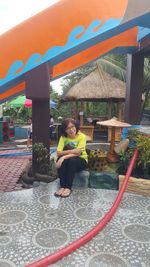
column 59, row 192
column 66, row 192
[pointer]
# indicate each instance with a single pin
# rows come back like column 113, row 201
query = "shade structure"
column 90, row 30
column 96, row 87
column 113, row 123
column 22, row 101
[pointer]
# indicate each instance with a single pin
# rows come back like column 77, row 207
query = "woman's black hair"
column 65, row 124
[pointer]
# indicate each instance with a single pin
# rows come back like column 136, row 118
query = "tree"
column 116, row 65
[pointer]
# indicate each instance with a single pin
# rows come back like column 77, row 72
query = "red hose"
column 58, row 255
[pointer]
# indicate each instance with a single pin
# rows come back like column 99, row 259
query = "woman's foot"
column 59, row 192
column 66, row 192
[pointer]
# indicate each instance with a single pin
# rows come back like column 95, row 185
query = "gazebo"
column 98, row 86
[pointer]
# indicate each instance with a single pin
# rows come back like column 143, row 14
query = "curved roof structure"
column 70, row 34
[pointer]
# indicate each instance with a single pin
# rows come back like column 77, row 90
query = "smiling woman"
column 72, row 156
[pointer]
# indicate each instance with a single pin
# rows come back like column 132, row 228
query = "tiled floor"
column 34, row 223
column 11, row 168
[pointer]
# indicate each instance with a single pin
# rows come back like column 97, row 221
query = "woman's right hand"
column 59, row 162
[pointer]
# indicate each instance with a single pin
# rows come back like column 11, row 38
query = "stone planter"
column 26, row 179
column 136, row 185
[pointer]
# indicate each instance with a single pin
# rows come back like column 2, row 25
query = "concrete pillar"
column 134, row 86
column 37, row 89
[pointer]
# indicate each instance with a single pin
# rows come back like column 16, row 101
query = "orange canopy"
column 67, row 35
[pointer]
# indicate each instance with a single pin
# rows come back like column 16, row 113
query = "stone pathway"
column 11, row 169
column 34, row 223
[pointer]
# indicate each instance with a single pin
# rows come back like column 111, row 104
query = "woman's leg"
column 75, row 164
column 62, row 173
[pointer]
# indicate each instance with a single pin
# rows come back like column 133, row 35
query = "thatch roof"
column 97, row 86
column 114, row 122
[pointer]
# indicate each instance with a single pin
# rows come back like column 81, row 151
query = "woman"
column 72, row 156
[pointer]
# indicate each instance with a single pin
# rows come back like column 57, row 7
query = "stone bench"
column 103, row 180
column 81, row 179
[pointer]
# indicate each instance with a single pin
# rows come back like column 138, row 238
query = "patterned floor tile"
column 34, row 223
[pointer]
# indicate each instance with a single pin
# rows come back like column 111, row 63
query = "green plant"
column 125, row 158
column 142, row 165
column 41, row 158
column 143, row 144
column 132, row 134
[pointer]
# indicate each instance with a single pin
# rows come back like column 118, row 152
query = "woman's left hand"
column 59, row 162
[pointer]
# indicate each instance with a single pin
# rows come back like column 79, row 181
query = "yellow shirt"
column 79, row 142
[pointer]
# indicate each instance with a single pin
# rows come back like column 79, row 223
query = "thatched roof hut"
column 97, row 86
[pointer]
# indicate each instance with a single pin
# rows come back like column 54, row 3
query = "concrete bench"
column 81, row 179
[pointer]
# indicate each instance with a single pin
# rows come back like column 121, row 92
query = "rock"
column 27, row 179
column 122, row 146
column 36, row 184
column 44, row 178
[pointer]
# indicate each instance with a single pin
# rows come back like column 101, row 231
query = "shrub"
column 142, row 165
column 41, row 158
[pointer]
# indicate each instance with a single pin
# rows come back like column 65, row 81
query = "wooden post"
column 111, row 155
column 134, row 86
column 109, row 108
column 112, row 144
column 74, row 112
column 119, row 111
column 76, row 109
column 81, row 113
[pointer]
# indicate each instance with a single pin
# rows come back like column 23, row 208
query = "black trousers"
column 68, row 169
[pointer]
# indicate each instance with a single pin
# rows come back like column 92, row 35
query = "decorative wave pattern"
column 95, row 28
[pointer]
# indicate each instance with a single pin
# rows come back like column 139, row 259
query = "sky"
column 12, row 12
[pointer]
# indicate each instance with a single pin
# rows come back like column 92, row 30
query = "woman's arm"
column 75, row 152
column 60, row 161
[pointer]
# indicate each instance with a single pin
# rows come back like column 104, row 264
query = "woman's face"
column 71, row 130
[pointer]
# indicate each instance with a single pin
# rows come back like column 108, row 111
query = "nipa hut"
column 97, row 86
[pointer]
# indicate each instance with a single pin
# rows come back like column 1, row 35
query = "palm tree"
column 116, row 65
